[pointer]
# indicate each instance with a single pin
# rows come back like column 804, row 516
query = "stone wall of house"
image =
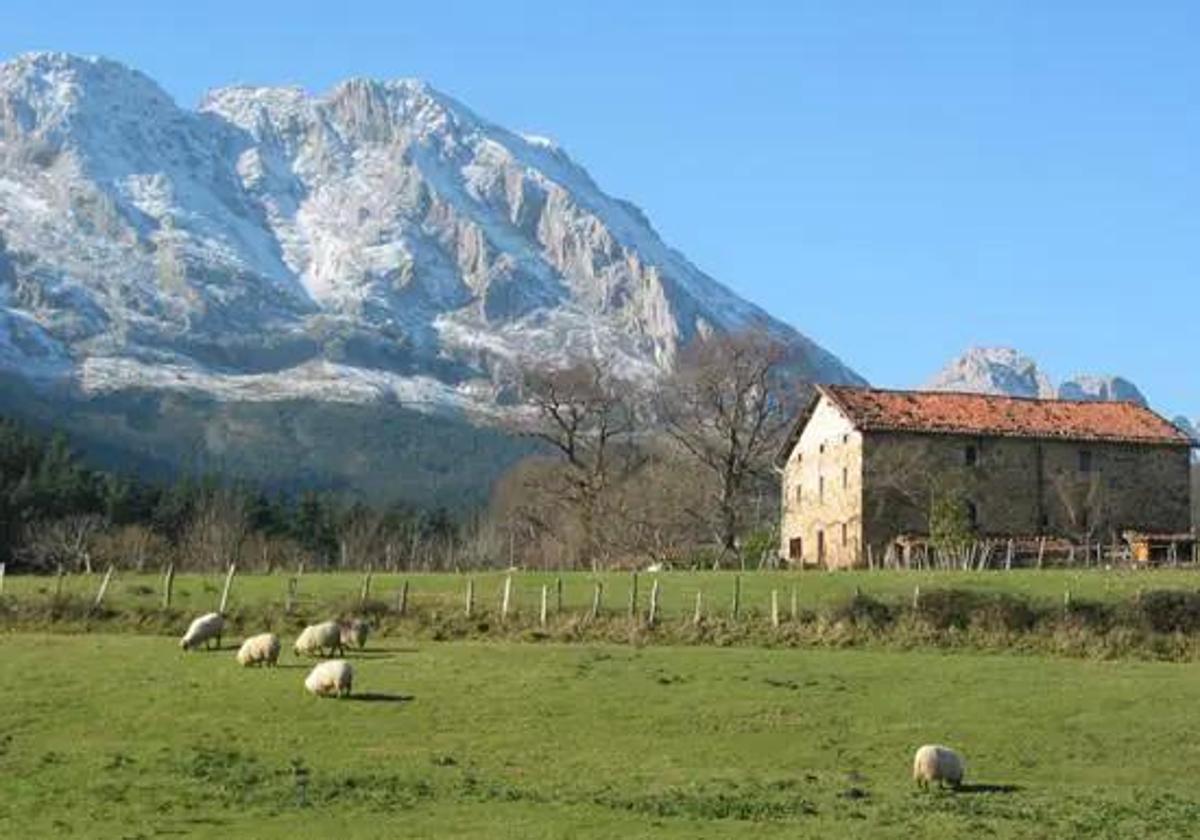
column 1017, row 486
column 821, row 517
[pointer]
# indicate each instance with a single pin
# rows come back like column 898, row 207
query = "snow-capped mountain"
column 1003, row 370
column 993, row 370
column 380, row 241
column 1101, row 389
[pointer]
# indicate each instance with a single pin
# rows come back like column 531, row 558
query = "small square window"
column 821, row 448
column 845, row 438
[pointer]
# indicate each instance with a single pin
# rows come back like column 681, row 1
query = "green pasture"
column 125, row 736
column 677, row 590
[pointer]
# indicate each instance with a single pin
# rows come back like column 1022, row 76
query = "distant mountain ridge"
column 378, row 241
column 379, row 245
column 1004, row 370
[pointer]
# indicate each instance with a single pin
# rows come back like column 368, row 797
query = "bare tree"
column 66, row 541
column 217, row 530
column 1085, row 502
column 359, row 537
column 727, row 407
column 588, row 417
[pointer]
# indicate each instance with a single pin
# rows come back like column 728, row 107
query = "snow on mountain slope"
column 378, row 240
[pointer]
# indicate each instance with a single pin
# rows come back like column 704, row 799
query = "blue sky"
column 897, row 180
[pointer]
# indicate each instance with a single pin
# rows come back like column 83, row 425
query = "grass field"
column 124, row 736
column 195, row 593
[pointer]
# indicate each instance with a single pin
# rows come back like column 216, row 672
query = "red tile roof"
column 943, row 412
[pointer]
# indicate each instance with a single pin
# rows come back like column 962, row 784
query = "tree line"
column 56, row 511
column 675, row 470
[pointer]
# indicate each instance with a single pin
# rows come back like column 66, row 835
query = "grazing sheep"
column 262, row 649
column 331, row 678
column 355, row 633
column 934, row 763
column 204, row 629
column 316, row 638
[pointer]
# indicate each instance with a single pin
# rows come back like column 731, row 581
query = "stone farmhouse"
column 862, row 466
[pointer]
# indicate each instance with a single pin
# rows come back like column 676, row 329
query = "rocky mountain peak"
column 275, row 243
column 993, row 370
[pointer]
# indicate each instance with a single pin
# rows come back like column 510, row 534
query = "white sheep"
column 316, row 638
column 262, row 649
column 202, row 630
column 332, row 678
column 934, row 763
column 355, row 633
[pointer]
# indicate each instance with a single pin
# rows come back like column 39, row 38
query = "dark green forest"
column 54, row 507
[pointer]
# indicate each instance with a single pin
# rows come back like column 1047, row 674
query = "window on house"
column 971, row 455
column 972, row 514
column 821, row 547
column 1085, row 460
column 845, row 532
column 796, row 548
column 845, row 438
column 845, row 478
column 821, row 489
column 799, row 493
column 821, row 448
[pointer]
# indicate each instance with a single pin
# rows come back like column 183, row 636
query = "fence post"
column 289, row 598
column 402, row 598
column 653, row 616
column 558, row 595
column 917, row 597
column 698, row 615
column 58, row 581
column 365, row 595
column 597, row 596
column 108, row 573
column 2, row 569
column 1008, row 557
column 506, row 597
column 774, row 608
column 545, row 599
column 228, row 583
column 633, row 599
column 168, row 585
column 300, row 569
column 795, row 605
column 470, row 604
column 737, row 597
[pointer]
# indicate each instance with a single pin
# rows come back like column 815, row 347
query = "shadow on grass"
column 379, row 697
column 969, row 789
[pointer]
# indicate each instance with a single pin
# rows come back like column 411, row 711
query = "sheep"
column 316, row 638
column 332, row 678
column 202, row 630
column 355, row 633
column 934, row 763
column 262, row 649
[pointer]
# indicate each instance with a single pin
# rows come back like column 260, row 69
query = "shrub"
column 1168, row 611
column 862, row 611
column 946, row 608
